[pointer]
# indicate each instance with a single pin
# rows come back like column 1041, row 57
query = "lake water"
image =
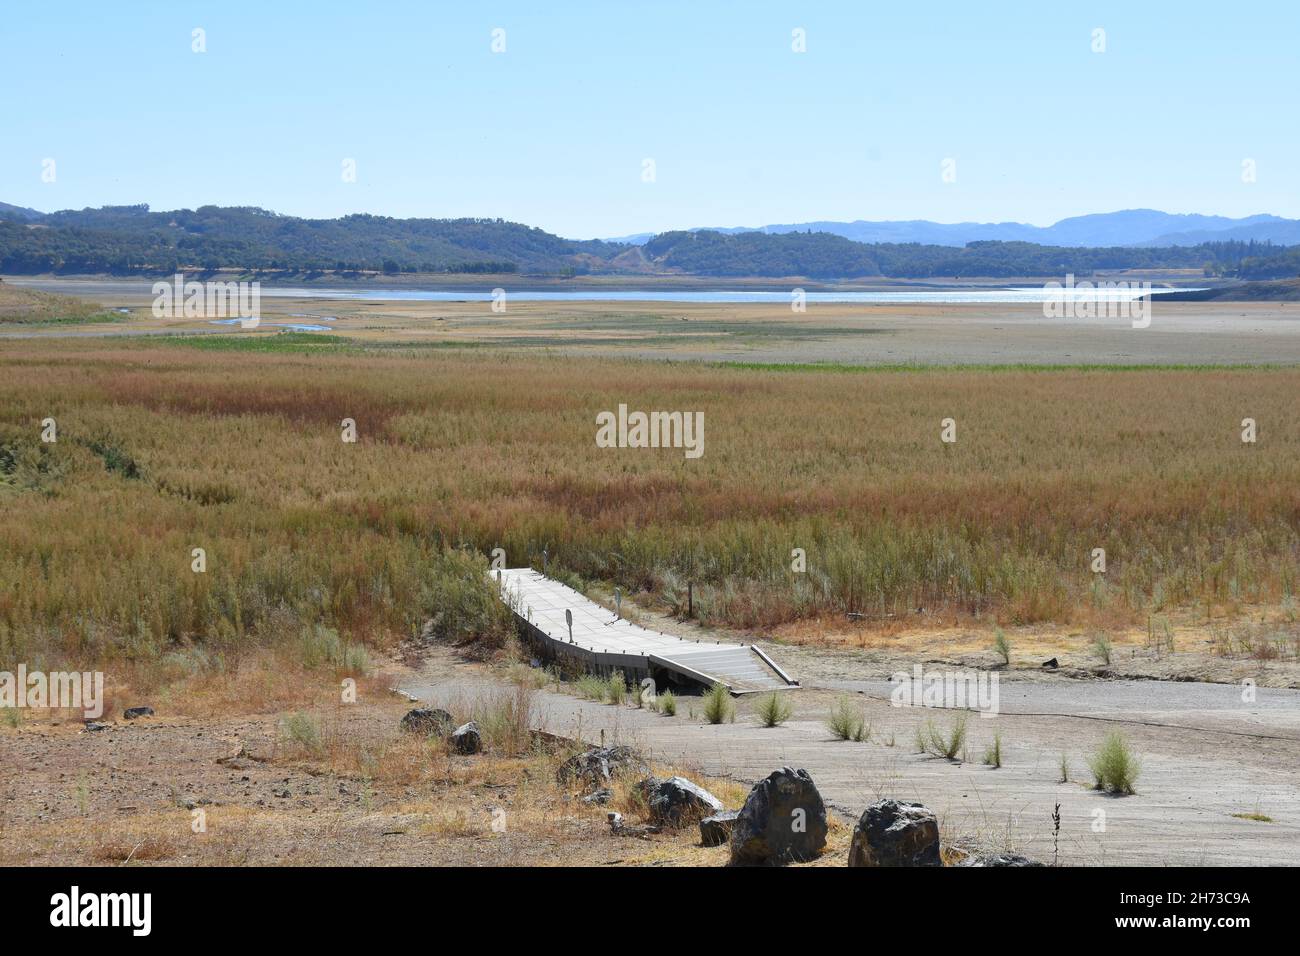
column 920, row 296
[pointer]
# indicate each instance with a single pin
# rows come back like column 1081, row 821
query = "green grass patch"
column 1114, row 766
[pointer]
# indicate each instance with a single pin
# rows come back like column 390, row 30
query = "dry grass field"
column 322, row 547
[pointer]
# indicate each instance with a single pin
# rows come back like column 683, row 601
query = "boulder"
column 466, row 739
column 600, row 797
column 132, row 713
column 427, row 722
column 598, row 766
column 1000, row 859
column 716, row 830
column 677, row 800
column 783, row 820
column 1052, row 664
column 895, row 833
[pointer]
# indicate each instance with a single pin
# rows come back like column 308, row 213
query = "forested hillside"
column 125, row 240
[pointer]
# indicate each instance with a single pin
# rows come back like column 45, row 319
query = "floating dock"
column 601, row 642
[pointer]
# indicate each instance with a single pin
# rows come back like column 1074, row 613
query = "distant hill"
column 816, row 255
column 134, row 238
column 18, row 212
column 129, row 240
column 1129, row 227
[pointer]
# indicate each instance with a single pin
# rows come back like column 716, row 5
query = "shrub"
column 773, row 710
column 1114, row 766
column 668, row 703
column 718, row 706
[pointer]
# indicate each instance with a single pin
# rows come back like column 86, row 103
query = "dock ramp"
column 602, row 642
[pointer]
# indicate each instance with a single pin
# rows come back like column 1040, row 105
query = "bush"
column 1114, row 766
column 773, row 710
column 668, row 703
column 718, row 706
column 847, row 723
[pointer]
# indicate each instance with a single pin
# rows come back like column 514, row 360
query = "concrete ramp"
column 601, row 642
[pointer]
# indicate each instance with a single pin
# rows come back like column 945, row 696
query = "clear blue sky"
column 743, row 131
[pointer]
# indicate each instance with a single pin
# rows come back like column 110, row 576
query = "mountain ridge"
column 1124, row 227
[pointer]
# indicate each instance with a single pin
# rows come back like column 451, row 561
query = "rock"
column 600, row 797
column 619, row 828
column 94, row 725
column 716, row 830
column 466, row 739
column 783, row 820
column 676, row 800
column 427, row 722
column 896, row 833
column 1051, row 665
column 1000, row 859
column 132, row 713
column 598, row 766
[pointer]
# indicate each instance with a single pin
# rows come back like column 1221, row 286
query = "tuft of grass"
column 1114, row 766
column 774, row 710
column 1002, row 647
column 504, row 720
column 1260, row 817
column 615, row 689
column 846, row 722
column 301, row 729
column 590, row 687
column 668, row 703
column 321, row 646
column 718, row 707
column 993, row 753
column 949, row 745
column 1101, row 646
column 1065, row 769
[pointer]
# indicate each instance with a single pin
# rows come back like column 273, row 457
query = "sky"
column 606, row 119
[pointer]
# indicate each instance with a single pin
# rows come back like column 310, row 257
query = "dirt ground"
column 1219, row 780
column 367, row 795
column 1209, row 333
